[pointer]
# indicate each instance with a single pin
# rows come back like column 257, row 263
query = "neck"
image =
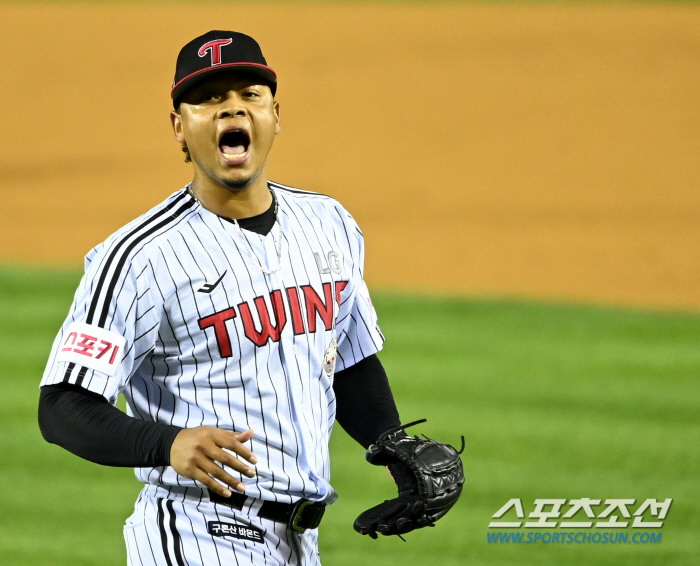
column 245, row 201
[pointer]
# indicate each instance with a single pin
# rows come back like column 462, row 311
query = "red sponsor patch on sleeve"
column 92, row 347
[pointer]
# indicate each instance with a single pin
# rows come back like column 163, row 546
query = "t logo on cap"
column 215, row 48
column 242, row 54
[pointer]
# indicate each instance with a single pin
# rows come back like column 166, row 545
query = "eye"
column 251, row 94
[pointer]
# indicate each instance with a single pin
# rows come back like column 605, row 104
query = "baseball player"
column 234, row 319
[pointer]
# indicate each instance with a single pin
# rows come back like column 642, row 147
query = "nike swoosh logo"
column 209, row 287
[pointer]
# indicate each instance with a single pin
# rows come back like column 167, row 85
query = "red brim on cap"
column 263, row 71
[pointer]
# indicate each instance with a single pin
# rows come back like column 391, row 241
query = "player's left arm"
column 365, row 405
column 428, row 474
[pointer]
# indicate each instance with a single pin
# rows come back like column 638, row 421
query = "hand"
column 197, row 452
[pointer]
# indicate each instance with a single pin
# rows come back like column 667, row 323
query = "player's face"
column 229, row 123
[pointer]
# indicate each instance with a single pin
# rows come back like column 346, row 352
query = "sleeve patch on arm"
column 363, row 292
column 92, row 347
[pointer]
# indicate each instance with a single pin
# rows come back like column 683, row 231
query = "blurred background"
column 526, row 176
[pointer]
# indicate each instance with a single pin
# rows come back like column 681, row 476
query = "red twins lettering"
column 308, row 300
column 268, row 331
column 214, row 47
column 218, row 321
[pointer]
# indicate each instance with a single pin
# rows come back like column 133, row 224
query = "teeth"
column 233, row 155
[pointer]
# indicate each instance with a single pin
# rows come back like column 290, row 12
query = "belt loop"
column 236, row 501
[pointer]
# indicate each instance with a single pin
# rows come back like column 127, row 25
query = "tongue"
column 233, row 150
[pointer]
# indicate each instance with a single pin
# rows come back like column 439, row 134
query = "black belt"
column 299, row 516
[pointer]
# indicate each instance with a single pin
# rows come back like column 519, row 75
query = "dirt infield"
column 543, row 151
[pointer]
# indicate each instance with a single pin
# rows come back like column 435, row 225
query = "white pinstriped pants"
column 162, row 532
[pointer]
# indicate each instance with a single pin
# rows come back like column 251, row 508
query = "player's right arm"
column 85, row 424
column 112, row 325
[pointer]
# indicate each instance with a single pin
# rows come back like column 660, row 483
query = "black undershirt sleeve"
column 85, row 424
column 365, row 406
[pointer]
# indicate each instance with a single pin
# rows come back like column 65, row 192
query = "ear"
column 278, row 125
column 176, row 121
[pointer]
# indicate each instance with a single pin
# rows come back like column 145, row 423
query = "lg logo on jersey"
column 333, row 263
column 307, row 299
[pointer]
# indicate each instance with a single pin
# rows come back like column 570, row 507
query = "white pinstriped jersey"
column 173, row 312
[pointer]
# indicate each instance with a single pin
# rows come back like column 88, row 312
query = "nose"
column 232, row 106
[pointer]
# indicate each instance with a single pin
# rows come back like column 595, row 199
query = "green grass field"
column 554, row 401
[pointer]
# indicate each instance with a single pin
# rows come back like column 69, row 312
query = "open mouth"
column 234, row 144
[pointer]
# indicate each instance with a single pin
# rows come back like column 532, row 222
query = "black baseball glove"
column 429, row 476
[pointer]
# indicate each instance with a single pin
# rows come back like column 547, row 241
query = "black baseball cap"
column 217, row 51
